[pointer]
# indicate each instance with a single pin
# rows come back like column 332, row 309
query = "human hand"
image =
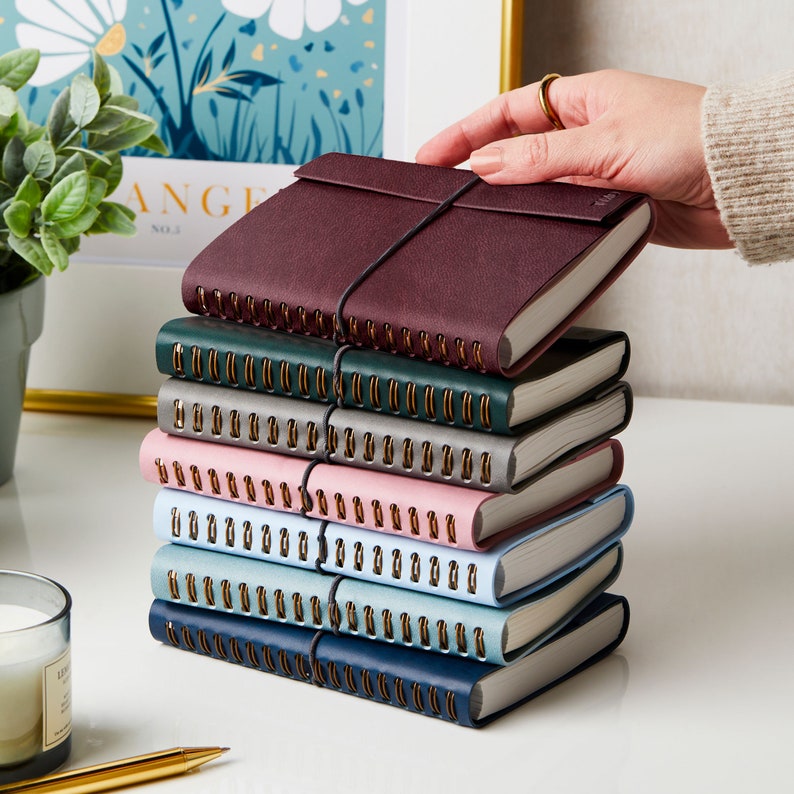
column 622, row 130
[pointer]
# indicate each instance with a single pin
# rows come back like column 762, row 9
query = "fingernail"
column 486, row 161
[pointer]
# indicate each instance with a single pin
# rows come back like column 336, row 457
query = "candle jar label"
column 57, row 700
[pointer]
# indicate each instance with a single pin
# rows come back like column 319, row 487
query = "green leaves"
column 56, row 179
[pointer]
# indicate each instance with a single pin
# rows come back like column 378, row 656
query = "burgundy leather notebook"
column 420, row 260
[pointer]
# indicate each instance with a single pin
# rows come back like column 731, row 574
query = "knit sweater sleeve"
column 748, row 136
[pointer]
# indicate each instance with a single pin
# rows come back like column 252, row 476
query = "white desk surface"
column 699, row 698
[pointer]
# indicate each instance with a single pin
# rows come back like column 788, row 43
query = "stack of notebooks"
column 387, row 452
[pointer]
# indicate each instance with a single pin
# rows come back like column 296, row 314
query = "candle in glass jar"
column 35, row 674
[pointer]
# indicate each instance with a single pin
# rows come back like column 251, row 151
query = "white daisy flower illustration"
column 289, row 17
column 65, row 31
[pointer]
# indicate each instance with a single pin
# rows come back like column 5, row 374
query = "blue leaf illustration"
column 229, row 58
column 186, row 43
column 345, row 109
column 309, row 47
column 356, row 66
column 328, row 46
column 294, row 63
column 249, row 28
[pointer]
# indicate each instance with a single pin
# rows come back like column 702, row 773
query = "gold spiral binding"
column 388, row 628
column 394, row 512
column 234, row 423
column 272, row 430
column 311, row 437
column 424, row 345
column 278, row 599
column 303, row 380
column 270, row 499
column 466, row 464
column 460, row 349
column 162, row 472
column 215, row 484
column 286, row 316
column 410, row 399
column 250, row 488
column 416, row 694
column 399, row 692
column 237, row 313
column 209, row 594
column 231, row 368
column 190, row 586
column 427, row 457
column 372, row 334
column 245, row 601
column 388, row 333
column 350, row 680
column 377, row 560
column 460, row 638
column 341, row 510
column 322, row 502
column 178, row 359
column 396, row 564
column 319, row 674
column 339, row 555
column 369, row 447
column 229, row 532
column 321, row 383
column 195, row 476
column 413, row 520
column 388, row 450
column 234, row 649
column 430, row 403
column 448, row 405
column 267, row 536
column 283, row 663
column 198, row 418
column 432, row 524
column 212, row 365
column 415, row 567
column 366, row 683
column 267, row 658
column 358, row 556
column 383, row 687
column 353, row 330
column 394, row 396
column 319, row 323
column 179, row 414
column 355, row 389
column 193, row 525
column 303, row 546
column 408, row 454
column 476, row 355
column 253, row 427
column 201, row 297
column 408, row 342
column 286, row 496
column 176, row 524
column 443, row 637
column 350, row 615
column 447, row 461
column 369, row 621
column 285, row 378
column 261, row 601
column 405, row 628
column 316, row 609
column 226, row 594
column 350, row 443
column 471, row 580
column 303, row 320
column 452, row 578
column 187, row 638
column 334, row 617
column 250, row 654
column 292, row 434
column 231, row 485
column 250, row 305
column 424, row 635
column 300, row 666
column 377, row 513
column 374, row 392
column 449, row 703
column 479, row 642
column 358, row 510
column 249, row 371
column 217, row 644
column 485, row 468
column 217, row 421
column 449, row 523
column 443, row 352
column 267, row 374
column 284, row 542
column 204, row 646
column 432, row 697
column 435, row 566
column 297, row 607
column 466, row 412
column 179, row 474
column 173, row 585
column 331, row 440
column 195, row 362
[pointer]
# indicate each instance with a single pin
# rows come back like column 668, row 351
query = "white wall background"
column 702, row 324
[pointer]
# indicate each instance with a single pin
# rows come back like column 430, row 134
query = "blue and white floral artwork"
column 267, row 81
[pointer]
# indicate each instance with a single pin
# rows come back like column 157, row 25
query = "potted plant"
column 55, row 180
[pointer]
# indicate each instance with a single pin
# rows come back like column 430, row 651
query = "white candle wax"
column 30, row 660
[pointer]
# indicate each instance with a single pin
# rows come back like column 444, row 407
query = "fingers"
column 509, row 114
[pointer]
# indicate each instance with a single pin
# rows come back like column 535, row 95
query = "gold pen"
column 126, row 772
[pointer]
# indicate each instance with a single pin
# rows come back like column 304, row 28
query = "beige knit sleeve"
column 748, row 136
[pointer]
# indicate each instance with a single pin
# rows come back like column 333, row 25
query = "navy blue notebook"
column 457, row 690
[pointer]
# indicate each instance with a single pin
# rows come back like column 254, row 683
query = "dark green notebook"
column 229, row 354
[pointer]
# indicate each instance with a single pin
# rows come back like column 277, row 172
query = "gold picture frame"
column 145, row 405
